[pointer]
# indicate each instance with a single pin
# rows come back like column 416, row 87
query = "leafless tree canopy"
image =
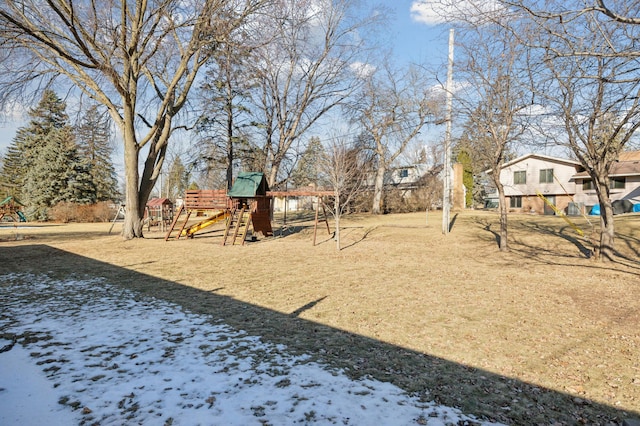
column 304, row 71
column 392, row 107
column 138, row 58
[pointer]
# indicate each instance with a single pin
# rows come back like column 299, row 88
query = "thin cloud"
column 434, row 12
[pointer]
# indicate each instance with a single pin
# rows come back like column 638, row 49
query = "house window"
column 404, row 173
column 546, row 176
column 616, row 183
column 516, row 202
column 520, row 178
column 587, row 184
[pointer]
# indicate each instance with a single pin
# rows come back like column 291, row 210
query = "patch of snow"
column 95, row 353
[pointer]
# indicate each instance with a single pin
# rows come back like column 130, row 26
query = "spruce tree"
column 177, row 180
column 45, row 160
column 307, row 171
column 94, row 143
column 12, row 172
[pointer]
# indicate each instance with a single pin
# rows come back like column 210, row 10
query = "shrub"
column 70, row 212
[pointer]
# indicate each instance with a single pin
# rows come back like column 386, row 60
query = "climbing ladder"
column 238, row 225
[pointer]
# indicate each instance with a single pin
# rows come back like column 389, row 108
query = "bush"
column 71, row 212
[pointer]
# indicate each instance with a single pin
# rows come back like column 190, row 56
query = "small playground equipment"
column 11, row 207
column 560, row 213
column 158, row 212
column 251, row 208
column 200, row 202
column 320, row 204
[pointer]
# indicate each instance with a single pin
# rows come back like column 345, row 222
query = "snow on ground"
column 91, row 353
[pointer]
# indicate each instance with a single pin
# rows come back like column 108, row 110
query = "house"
column 624, row 182
column 411, row 178
column 564, row 183
column 529, row 175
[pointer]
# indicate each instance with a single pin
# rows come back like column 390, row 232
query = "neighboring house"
column 532, row 174
column 624, row 182
column 406, row 177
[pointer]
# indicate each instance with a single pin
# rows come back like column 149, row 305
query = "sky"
column 412, row 33
column 96, row 353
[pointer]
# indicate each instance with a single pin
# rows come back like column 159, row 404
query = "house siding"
column 561, row 188
column 589, row 197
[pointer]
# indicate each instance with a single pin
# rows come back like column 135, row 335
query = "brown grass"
column 538, row 335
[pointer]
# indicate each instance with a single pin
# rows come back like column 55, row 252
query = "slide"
column 21, row 216
column 222, row 214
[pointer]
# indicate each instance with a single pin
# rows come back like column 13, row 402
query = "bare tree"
column 344, row 165
column 622, row 12
column 492, row 102
column 586, row 77
column 392, row 107
column 223, row 126
column 304, row 71
column 137, row 58
column 599, row 112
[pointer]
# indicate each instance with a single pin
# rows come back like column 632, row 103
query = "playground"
column 246, row 211
column 540, row 332
column 11, row 209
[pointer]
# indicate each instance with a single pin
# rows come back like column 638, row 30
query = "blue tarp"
column 595, row 210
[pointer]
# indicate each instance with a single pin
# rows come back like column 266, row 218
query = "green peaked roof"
column 10, row 200
column 248, row 185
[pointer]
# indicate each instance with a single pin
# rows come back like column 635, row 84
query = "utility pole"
column 446, row 196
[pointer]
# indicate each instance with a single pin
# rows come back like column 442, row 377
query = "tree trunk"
column 378, row 189
column 606, row 249
column 273, row 174
column 337, row 213
column 132, row 227
column 502, row 237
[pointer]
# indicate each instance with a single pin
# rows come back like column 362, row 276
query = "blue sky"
column 413, row 36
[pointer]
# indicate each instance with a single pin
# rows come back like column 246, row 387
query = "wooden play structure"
column 251, row 208
column 246, row 210
column 158, row 212
column 212, row 202
column 11, row 207
column 319, row 202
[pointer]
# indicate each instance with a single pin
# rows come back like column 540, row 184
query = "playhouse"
column 251, row 208
column 11, row 207
column 159, row 212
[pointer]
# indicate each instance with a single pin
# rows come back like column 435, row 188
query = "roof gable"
column 10, row 200
column 155, row 202
column 540, row 157
column 248, row 185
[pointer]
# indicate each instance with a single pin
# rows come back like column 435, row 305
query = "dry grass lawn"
column 539, row 335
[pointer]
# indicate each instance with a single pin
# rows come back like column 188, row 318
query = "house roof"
column 156, row 202
column 539, row 157
column 629, row 156
column 11, row 200
column 628, row 164
column 248, row 185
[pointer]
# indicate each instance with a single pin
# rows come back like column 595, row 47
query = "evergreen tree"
column 307, row 171
column 93, row 136
column 178, row 179
column 44, row 160
column 12, row 172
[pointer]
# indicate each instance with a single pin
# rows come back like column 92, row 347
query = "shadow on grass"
column 583, row 245
column 474, row 391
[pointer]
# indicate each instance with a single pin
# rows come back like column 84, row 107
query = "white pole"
column 446, row 196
